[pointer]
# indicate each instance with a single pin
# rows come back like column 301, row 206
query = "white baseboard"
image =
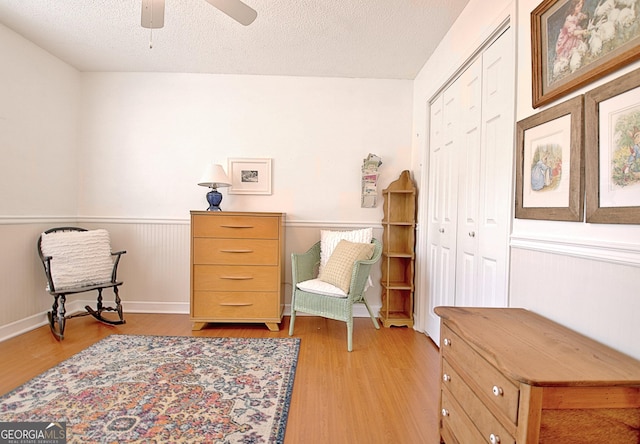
column 155, row 307
column 32, row 322
column 22, row 326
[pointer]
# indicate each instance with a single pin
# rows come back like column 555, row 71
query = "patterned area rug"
column 158, row 389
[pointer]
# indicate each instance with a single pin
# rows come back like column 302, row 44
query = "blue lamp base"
column 214, row 197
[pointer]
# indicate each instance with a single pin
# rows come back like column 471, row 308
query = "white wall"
column 125, row 152
column 38, row 130
column 38, row 148
column 145, row 140
column 581, row 275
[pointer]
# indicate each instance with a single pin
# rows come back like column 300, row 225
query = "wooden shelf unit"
column 398, row 253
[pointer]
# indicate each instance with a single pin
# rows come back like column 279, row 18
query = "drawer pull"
column 497, row 391
column 236, row 251
column 446, row 378
column 494, row 439
column 237, row 278
column 236, row 304
column 236, row 226
column 445, row 412
column 447, row 342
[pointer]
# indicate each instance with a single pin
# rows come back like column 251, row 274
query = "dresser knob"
column 472, row 234
column 447, row 342
column 441, row 230
column 445, row 412
column 497, row 390
column 446, row 378
column 494, row 439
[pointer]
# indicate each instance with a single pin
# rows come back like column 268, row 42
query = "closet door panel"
column 466, row 283
column 448, row 188
column 443, row 190
column 489, row 293
column 436, row 138
column 496, row 178
column 470, row 118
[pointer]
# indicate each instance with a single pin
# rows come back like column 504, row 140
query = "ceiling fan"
column 153, row 12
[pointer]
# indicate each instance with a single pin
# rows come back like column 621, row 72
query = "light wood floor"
column 384, row 391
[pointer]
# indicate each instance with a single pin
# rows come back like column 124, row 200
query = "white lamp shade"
column 214, row 177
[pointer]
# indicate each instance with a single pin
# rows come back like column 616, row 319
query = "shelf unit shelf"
column 393, row 254
column 398, row 253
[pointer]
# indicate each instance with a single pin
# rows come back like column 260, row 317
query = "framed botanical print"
column 550, row 165
column 612, row 120
column 574, row 42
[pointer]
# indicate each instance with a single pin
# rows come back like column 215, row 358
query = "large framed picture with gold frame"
column 574, row 42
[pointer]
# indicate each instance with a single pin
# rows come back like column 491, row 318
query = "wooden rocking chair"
column 77, row 260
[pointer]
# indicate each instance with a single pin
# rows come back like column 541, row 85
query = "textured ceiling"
column 329, row 38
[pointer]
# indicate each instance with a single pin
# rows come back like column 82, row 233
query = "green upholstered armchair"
column 328, row 304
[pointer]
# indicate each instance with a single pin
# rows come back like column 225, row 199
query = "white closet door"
column 443, row 184
column 496, row 176
column 470, row 116
column 470, row 185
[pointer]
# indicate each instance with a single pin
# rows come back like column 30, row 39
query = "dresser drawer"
column 235, row 278
column 456, row 422
column 484, row 421
column 490, row 385
column 235, row 227
column 237, row 306
column 235, row 251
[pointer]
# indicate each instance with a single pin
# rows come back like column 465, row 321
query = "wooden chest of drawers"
column 511, row 376
column 237, row 267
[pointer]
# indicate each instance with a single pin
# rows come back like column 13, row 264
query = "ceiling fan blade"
column 152, row 14
column 236, row 10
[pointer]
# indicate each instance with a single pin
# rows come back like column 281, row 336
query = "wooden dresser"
column 512, row 376
column 237, row 267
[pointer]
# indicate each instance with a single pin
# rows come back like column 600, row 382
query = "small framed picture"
column 550, row 164
column 250, row 176
column 612, row 121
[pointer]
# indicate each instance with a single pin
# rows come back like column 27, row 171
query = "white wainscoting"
column 590, row 287
column 155, row 268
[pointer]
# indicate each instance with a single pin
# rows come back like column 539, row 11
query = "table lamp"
column 214, row 177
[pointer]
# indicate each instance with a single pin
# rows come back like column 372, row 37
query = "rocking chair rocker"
column 77, row 260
